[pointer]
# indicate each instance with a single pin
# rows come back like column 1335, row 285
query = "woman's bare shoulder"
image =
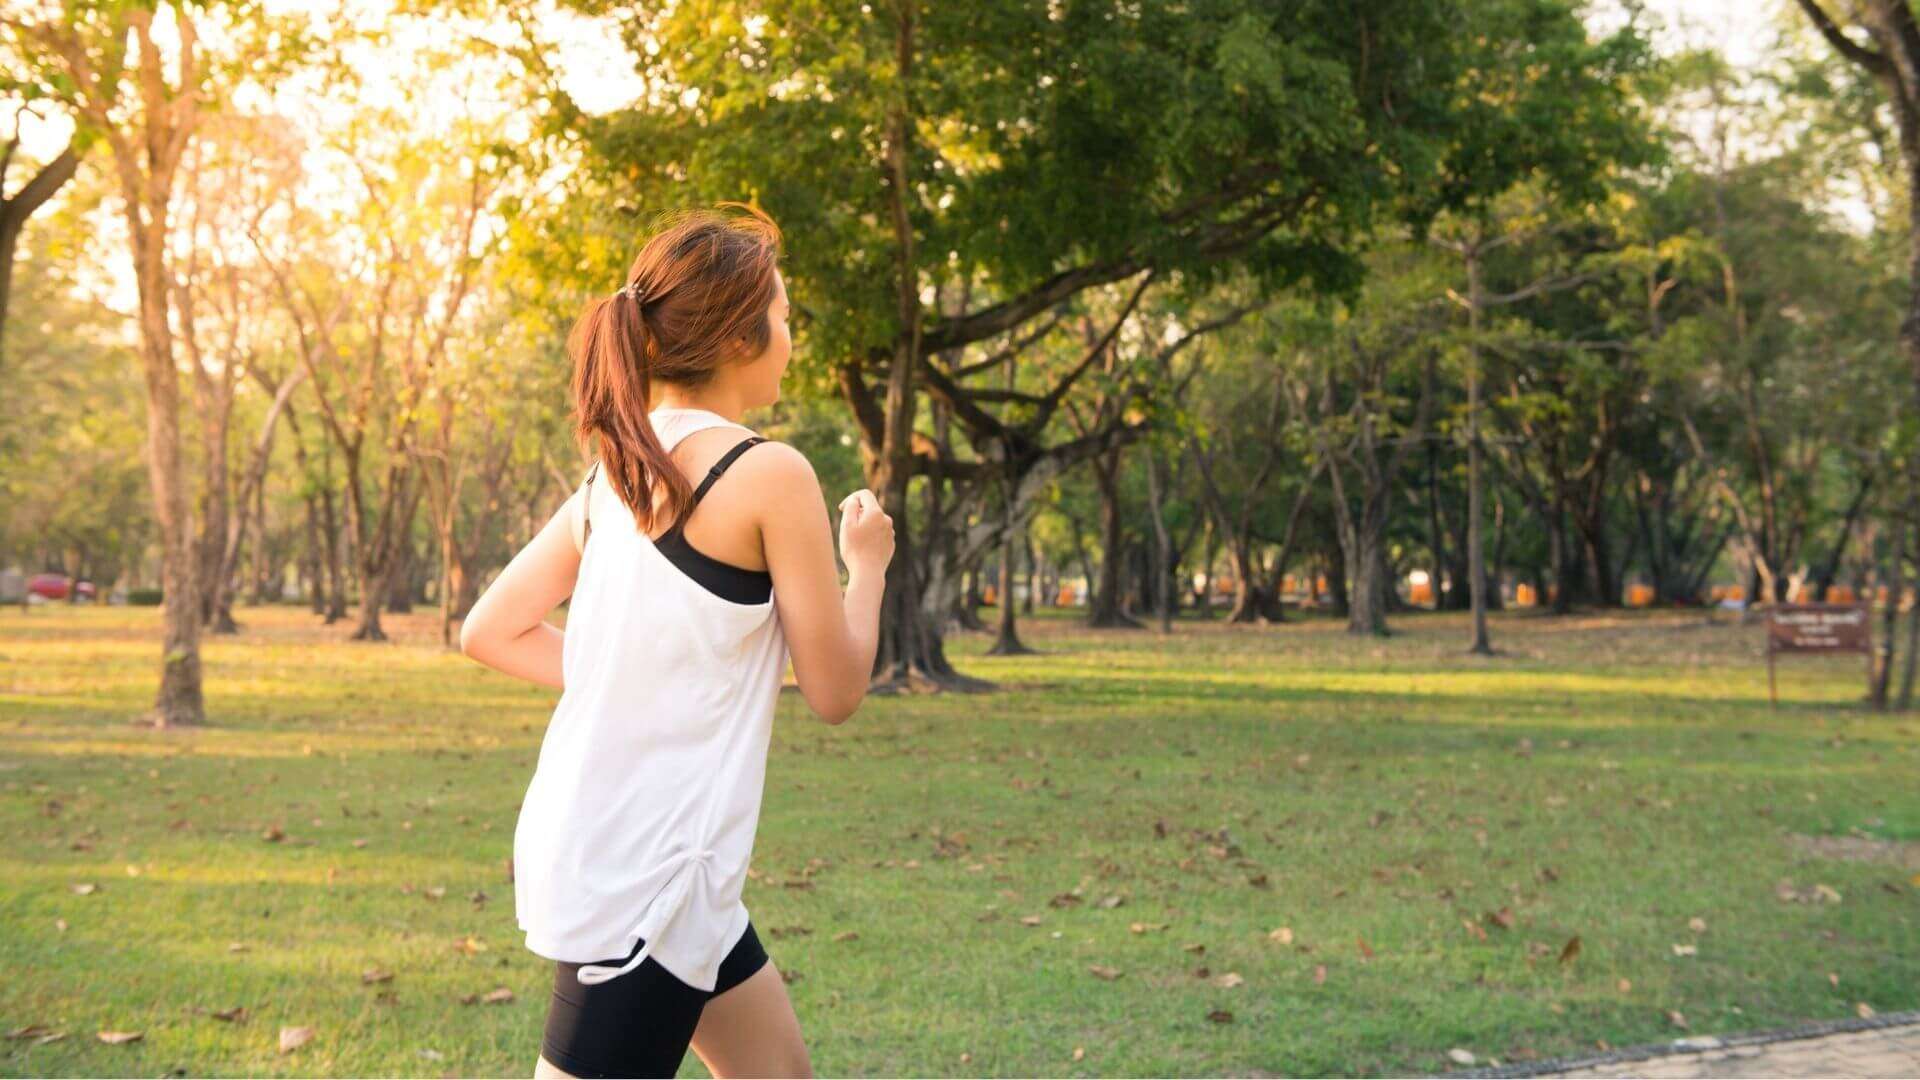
column 778, row 472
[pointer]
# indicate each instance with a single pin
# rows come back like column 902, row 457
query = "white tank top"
column 641, row 815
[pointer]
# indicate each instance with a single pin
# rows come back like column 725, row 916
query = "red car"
column 57, row 586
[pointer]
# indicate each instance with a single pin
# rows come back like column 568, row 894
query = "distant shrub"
column 143, row 597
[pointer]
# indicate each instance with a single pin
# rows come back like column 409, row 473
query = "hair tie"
column 633, row 291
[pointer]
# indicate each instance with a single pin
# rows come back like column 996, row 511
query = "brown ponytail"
column 694, row 300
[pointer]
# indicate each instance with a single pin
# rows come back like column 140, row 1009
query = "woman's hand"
column 866, row 535
column 507, row 628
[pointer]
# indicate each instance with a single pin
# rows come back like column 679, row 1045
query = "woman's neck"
column 707, row 399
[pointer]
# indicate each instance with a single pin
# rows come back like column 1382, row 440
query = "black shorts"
column 640, row 1023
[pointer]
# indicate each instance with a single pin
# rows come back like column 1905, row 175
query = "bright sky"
column 596, row 70
column 1741, row 29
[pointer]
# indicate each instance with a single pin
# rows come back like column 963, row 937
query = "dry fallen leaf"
column 1220, row 1016
column 847, row 935
column 1029, row 920
column 1282, row 936
column 498, row 996
column 1570, row 950
column 1863, row 1010
column 31, row 1031
column 1194, row 947
column 235, row 1015
column 1685, row 950
column 1474, row 929
column 1697, row 924
column 1319, row 974
column 1460, row 1057
column 84, row 888
column 1676, row 1019
column 274, row 835
column 1228, row 980
column 1366, row 951
column 1104, row 971
column 1624, row 985
column 293, row 1038
column 375, row 975
column 115, row 1038
column 1113, row 901
column 1502, row 918
column 1079, row 1052
column 1144, row 928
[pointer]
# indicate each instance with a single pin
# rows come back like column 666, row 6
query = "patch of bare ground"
column 1902, row 853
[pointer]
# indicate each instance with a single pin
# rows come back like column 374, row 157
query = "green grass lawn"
column 1433, row 830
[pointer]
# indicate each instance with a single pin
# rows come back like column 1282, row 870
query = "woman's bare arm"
column 508, row 628
column 832, row 637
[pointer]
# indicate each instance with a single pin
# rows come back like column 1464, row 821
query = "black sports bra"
column 723, row 579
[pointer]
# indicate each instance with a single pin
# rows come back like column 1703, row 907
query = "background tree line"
column 1411, row 303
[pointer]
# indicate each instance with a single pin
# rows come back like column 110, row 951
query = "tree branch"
column 1844, row 45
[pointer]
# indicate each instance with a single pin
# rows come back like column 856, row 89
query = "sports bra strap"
column 700, row 492
column 586, row 506
column 720, row 466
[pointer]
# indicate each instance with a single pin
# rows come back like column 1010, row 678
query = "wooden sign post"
column 1817, row 628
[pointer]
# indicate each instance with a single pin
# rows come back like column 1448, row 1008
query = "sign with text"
column 1816, row 628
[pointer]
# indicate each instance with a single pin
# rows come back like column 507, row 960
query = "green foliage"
column 1045, row 136
column 73, row 482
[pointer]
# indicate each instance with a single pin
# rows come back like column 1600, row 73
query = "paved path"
column 1884, row 1046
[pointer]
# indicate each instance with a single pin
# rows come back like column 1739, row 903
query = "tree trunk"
column 911, row 651
column 1476, row 550
column 1882, row 674
column 1911, row 668
column 1606, row 591
column 1823, row 579
column 1033, row 582
column 1247, row 606
column 1161, row 563
column 1205, row 602
column 1007, row 640
column 1338, row 598
column 311, row 560
column 373, row 595
column 336, row 607
column 1104, row 609
column 1436, row 539
column 1367, row 605
column 179, row 701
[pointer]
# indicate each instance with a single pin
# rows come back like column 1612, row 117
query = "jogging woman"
column 699, row 559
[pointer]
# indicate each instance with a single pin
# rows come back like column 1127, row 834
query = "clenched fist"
column 866, row 534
